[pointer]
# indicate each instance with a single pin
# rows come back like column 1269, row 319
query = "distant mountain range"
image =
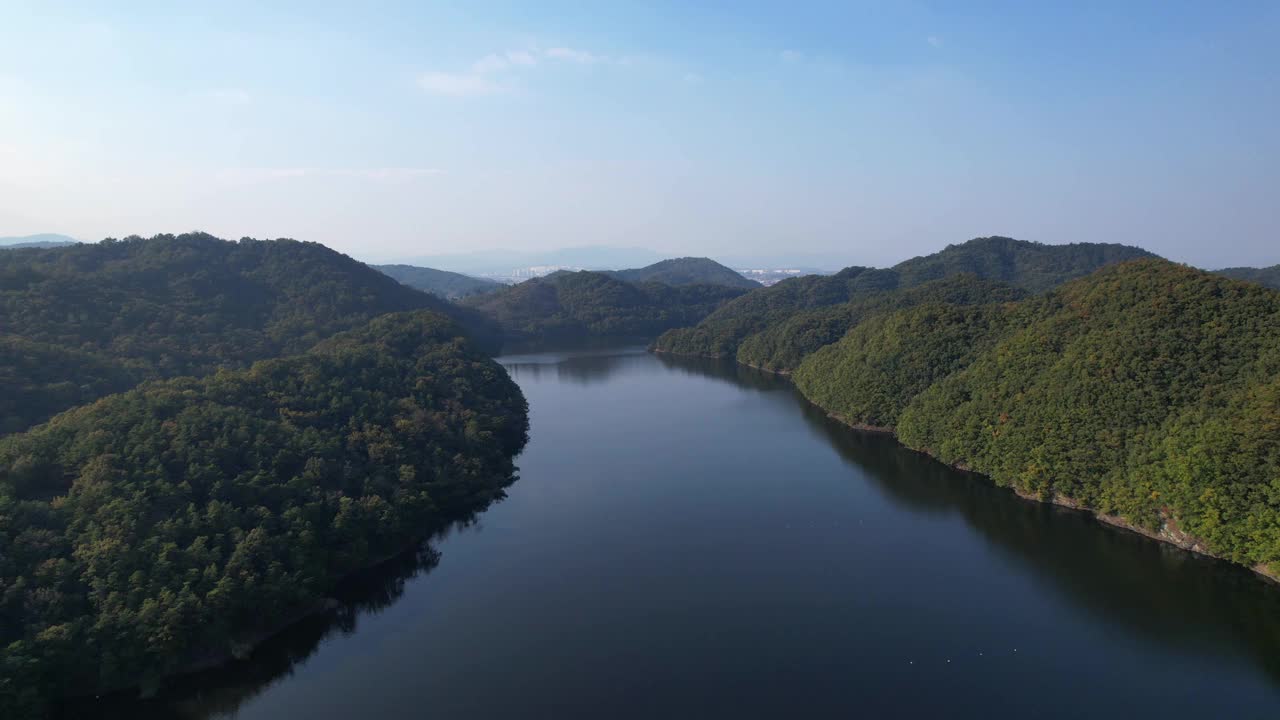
column 43, row 240
column 502, row 262
column 1269, row 276
column 774, row 328
column 441, row 283
column 686, row 271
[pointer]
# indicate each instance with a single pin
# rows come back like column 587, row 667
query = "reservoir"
column 690, row 538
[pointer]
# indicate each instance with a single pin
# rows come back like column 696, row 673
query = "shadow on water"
column 1172, row 598
column 578, row 368
column 222, row 691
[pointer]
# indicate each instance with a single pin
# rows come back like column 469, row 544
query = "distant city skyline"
column 863, row 133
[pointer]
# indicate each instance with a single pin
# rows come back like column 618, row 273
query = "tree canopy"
column 174, row 522
column 78, row 321
column 1148, row 391
column 687, row 271
column 1028, row 265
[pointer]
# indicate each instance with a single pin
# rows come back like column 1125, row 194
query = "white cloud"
column 486, row 76
column 497, row 62
column 458, row 84
column 489, row 64
column 692, row 78
column 521, row 57
column 244, row 176
column 934, row 40
column 572, row 55
column 790, row 56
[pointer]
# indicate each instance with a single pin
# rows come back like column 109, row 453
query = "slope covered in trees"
column 1031, row 266
column 1269, row 276
column 441, row 283
column 686, row 271
column 175, row 522
column 178, row 305
column 1148, row 391
column 781, row 347
column 38, row 380
column 569, row 306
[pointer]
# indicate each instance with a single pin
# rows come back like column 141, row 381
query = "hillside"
column 687, row 271
column 1268, row 276
column 1028, row 265
column 780, row 347
column 174, row 523
column 441, row 283
column 179, row 305
column 571, row 306
column 1148, row 392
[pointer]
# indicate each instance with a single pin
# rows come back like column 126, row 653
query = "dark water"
column 692, row 540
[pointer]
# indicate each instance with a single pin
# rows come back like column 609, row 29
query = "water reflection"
column 221, row 692
column 576, row 367
column 1172, row 598
column 566, row 595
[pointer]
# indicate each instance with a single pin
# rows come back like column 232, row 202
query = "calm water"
column 692, row 540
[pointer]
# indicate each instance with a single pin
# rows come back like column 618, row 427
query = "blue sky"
column 853, row 132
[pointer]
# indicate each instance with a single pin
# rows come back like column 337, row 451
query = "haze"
column 845, row 132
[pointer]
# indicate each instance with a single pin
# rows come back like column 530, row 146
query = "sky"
column 854, row 132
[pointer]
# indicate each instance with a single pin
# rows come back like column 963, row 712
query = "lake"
column 692, row 539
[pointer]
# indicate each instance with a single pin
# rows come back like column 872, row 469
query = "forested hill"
column 83, row 320
column 441, row 283
column 174, row 523
column 781, row 346
column 687, row 271
column 572, row 306
column 1028, row 265
column 1148, row 391
column 1269, row 276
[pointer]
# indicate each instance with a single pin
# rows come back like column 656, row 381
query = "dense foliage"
column 175, row 522
column 1148, row 390
column 869, row 376
column 781, row 347
column 1028, row 265
column 570, row 306
column 441, row 283
column 38, row 380
column 170, row 306
column 1269, row 276
column 686, row 271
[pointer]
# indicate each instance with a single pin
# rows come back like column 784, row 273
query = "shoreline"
column 242, row 648
column 1167, row 534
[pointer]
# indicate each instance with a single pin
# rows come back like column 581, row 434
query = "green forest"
column 573, row 306
column 1148, row 391
column 686, row 271
column 201, row 437
column 87, row 319
column 1031, row 266
column 175, row 522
